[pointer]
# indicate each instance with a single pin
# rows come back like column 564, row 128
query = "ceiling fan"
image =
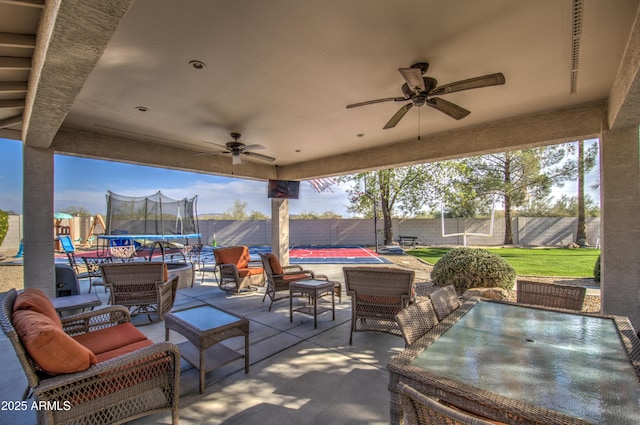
column 237, row 149
column 420, row 91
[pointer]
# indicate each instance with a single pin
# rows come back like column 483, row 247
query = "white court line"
column 371, row 254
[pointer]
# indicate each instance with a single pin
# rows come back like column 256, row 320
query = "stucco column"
column 37, row 207
column 280, row 229
column 620, row 221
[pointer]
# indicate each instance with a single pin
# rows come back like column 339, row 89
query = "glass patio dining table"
column 524, row 364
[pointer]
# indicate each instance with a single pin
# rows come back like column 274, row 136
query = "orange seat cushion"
column 295, row 277
column 276, row 268
column 53, row 350
column 108, row 355
column 250, row 271
column 109, row 339
column 238, row 255
column 35, row 299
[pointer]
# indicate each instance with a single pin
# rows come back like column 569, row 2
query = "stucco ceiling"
column 282, row 71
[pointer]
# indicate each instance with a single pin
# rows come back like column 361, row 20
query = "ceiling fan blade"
column 260, row 156
column 471, row 83
column 451, row 109
column 213, row 153
column 369, row 102
column 398, row 116
column 254, row 147
column 413, row 77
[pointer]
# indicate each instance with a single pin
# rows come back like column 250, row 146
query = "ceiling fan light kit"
column 420, row 91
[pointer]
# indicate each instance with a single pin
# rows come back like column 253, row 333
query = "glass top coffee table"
column 204, row 327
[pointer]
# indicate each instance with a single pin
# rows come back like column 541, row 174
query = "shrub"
column 4, row 225
column 596, row 271
column 466, row 268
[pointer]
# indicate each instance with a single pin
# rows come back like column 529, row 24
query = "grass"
column 532, row 261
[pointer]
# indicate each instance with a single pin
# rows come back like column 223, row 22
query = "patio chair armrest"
column 82, row 323
column 149, row 363
column 293, row 267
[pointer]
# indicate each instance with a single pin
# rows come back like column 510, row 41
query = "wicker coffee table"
column 314, row 289
column 204, row 327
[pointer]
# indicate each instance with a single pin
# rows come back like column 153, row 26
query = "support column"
column 620, row 223
column 37, row 206
column 280, row 229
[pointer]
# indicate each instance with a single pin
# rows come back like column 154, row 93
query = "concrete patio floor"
column 298, row 374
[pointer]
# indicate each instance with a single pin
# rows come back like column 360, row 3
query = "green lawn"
column 532, row 261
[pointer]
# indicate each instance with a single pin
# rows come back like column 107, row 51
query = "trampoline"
column 143, row 220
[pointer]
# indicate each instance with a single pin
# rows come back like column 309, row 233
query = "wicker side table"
column 204, row 327
column 314, row 289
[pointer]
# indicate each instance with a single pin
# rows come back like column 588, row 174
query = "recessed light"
column 195, row 64
column 142, row 108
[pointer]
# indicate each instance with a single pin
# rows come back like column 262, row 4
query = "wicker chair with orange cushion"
column 96, row 366
column 279, row 277
column 237, row 270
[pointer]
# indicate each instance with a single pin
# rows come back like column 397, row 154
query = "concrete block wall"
column 537, row 231
column 14, row 234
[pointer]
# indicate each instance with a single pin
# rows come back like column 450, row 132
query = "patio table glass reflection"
column 520, row 364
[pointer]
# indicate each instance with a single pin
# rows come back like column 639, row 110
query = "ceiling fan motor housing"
column 419, row 99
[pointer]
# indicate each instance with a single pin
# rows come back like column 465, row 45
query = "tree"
column 518, row 177
column 405, row 190
column 82, row 211
column 239, row 212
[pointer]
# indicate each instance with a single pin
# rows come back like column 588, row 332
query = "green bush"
column 466, row 268
column 596, row 271
column 4, row 225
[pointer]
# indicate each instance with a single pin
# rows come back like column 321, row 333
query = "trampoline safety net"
column 155, row 214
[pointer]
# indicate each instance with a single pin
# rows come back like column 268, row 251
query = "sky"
column 81, row 182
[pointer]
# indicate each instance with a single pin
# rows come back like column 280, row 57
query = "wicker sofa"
column 95, row 367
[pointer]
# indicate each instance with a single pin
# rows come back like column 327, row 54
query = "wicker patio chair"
column 422, row 410
column 93, row 271
column 123, row 388
column 444, row 300
column 550, row 294
column 278, row 277
column 142, row 287
column 416, row 320
column 237, row 270
column 377, row 295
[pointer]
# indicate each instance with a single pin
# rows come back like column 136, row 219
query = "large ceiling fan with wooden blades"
column 419, row 90
column 238, row 149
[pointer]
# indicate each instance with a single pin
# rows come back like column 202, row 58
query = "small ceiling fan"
column 420, row 91
column 237, row 149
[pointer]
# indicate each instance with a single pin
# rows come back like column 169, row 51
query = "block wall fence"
column 536, row 231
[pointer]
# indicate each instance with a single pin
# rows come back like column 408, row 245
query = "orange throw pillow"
column 276, row 268
column 52, row 349
column 35, row 299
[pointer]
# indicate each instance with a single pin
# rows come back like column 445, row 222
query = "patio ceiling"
column 74, row 76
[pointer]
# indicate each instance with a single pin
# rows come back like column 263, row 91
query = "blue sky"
column 83, row 182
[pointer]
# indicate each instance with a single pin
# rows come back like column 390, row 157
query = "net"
column 155, row 214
